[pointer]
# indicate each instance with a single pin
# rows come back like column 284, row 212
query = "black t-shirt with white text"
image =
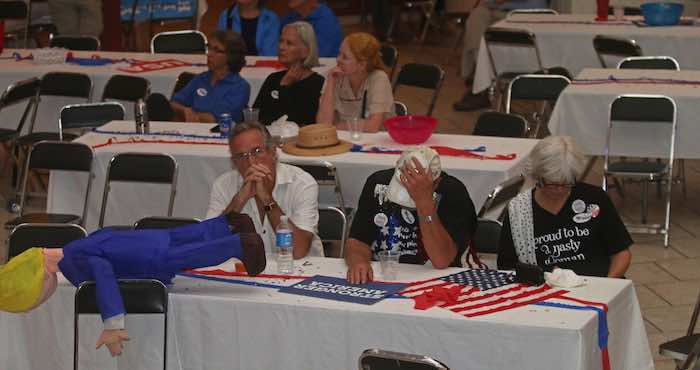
column 582, row 237
column 384, row 225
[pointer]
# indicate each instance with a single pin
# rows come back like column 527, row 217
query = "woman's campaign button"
column 408, row 216
column 202, row 91
column 582, row 217
column 380, row 219
column 578, row 206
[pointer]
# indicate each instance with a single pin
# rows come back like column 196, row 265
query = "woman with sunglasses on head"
column 219, row 90
column 259, row 26
column 358, row 87
column 564, row 222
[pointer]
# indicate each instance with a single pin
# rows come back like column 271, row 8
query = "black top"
column 384, row 225
column 249, row 29
column 299, row 101
column 582, row 237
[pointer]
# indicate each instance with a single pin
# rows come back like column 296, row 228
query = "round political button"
column 202, row 91
column 578, row 206
column 380, row 219
column 408, row 216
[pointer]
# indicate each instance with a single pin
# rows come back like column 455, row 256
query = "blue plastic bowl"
column 662, row 14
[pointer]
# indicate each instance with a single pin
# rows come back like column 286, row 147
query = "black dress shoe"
column 471, row 102
column 253, row 257
column 240, row 223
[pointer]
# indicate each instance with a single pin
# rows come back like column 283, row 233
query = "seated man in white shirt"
column 266, row 190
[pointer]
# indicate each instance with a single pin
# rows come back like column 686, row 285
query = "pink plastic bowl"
column 410, row 129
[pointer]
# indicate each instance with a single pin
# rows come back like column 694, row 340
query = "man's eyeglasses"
column 257, row 152
column 211, row 48
column 542, row 183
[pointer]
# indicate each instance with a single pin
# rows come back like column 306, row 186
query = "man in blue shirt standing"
column 486, row 13
column 326, row 26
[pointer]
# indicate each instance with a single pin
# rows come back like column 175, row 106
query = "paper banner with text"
column 338, row 289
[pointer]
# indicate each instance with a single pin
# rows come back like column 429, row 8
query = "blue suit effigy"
column 107, row 255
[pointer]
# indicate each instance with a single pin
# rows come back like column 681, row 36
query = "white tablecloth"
column 567, row 40
column 162, row 81
column 215, row 325
column 200, row 165
column 583, row 109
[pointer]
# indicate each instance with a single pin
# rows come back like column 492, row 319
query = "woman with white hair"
column 296, row 90
column 564, row 222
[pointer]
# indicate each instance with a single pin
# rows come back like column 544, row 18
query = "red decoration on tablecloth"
column 141, row 66
column 219, row 272
column 136, row 140
column 267, row 64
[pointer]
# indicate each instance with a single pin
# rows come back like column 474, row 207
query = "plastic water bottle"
column 141, row 117
column 285, row 260
column 225, row 123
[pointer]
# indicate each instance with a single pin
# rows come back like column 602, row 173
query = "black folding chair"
column 508, row 37
column 681, row 349
column 487, row 236
column 80, row 117
column 542, row 89
column 126, row 88
column 638, row 111
column 377, row 359
column 492, row 123
column 426, row 8
column 426, row 76
column 400, row 108
column 182, row 80
column 332, row 229
column 326, row 176
column 609, row 46
column 179, row 42
column 157, row 222
column 390, row 58
column 58, row 84
column 25, row 91
column 656, row 62
column 58, row 156
column 499, row 197
column 75, row 42
column 16, row 10
column 140, row 296
column 153, row 168
column 26, row 236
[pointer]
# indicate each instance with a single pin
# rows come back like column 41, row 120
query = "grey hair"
column 242, row 127
column 308, row 38
column 557, row 159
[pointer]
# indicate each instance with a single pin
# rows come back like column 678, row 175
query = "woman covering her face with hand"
column 358, row 88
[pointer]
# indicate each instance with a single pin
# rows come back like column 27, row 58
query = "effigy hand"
column 113, row 338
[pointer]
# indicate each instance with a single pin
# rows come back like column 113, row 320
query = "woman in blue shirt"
column 219, row 90
column 259, row 26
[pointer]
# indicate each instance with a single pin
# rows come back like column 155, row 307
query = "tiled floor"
column 667, row 279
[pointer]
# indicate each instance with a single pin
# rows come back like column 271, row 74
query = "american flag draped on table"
column 474, row 293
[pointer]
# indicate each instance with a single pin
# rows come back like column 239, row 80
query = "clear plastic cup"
column 251, row 114
column 357, row 126
column 389, row 263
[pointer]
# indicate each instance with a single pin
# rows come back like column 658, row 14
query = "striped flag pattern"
column 473, row 293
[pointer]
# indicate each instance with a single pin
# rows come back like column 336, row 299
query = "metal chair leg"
column 645, row 200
